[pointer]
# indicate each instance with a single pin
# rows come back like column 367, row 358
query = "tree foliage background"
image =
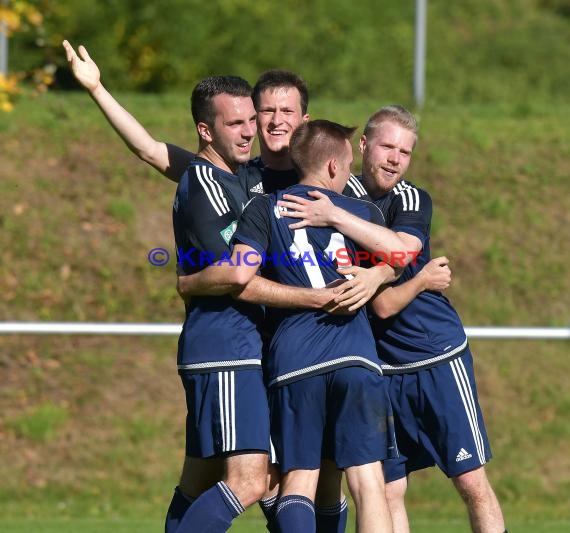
column 478, row 50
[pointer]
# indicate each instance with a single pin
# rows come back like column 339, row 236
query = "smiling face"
column 279, row 113
column 231, row 136
column 386, row 154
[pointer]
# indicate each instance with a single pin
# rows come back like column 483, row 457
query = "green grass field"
column 92, row 428
column 247, row 524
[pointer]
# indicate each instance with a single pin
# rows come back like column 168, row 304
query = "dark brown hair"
column 275, row 79
column 202, row 95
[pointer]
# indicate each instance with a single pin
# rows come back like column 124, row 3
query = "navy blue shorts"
column 227, row 413
column 438, row 420
column 343, row 415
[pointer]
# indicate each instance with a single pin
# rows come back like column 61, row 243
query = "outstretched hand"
column 312, row 212
column 84, row 69
column 436, row 275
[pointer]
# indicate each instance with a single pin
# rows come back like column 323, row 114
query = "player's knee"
column 365, row 481
column 473, row 485
column 248, row 489
column 256, row 489
column 396, row 491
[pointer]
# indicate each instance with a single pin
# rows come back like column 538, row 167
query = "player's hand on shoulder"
column 315, row 212
column 84, row 69
column 436, row 275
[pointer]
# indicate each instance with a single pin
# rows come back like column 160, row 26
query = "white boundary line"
column 104, row 328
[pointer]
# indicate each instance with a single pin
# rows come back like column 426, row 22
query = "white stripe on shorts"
column 226, row 399
column 464, row 387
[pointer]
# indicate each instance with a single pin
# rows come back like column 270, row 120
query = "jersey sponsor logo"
column 409, row 195
column 257, row 188
column 463, row 455
column 227, row 233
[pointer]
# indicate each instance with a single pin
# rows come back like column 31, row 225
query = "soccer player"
column 327, row 395
column 222, row 378
column 281, row 100
column 420, row 337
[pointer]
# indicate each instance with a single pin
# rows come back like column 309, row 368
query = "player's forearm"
column 207, row 282
column 370, row 236
column 266, row 292
column 389, row 273
column 134, row 135
column 393, row 299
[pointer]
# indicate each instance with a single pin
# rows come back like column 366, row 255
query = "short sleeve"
column 254, row 225
column 411, row 212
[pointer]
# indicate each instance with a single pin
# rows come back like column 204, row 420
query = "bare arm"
column 217, row 280
column 434, row 276
column 266, row 292
column 169, row 160
column 370, row 236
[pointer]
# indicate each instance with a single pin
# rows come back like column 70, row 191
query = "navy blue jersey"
column 275, row 180
column 219, row 332
column 272, row 180
column 428, row 330
column 308, row 342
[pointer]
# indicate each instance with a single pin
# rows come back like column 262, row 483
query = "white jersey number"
column 301, row 247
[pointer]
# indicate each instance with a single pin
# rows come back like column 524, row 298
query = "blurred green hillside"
column 478, row 50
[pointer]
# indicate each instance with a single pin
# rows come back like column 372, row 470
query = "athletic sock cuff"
column 285, row 501
column 335, row 509
column 268, row 503
column 234, row 505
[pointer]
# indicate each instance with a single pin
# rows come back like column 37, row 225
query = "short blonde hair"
column 392, row 113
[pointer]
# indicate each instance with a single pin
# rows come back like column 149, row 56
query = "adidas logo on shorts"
column 462, row 455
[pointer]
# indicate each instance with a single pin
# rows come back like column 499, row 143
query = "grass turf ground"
column 246, row 524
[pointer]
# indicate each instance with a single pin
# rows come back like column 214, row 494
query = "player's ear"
column 332, row 167
column 204, row 132
column 362, row 143
column 306, row 117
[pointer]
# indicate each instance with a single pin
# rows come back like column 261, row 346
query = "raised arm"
column 398, row 247
column 170, row 160
column 434, row 276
